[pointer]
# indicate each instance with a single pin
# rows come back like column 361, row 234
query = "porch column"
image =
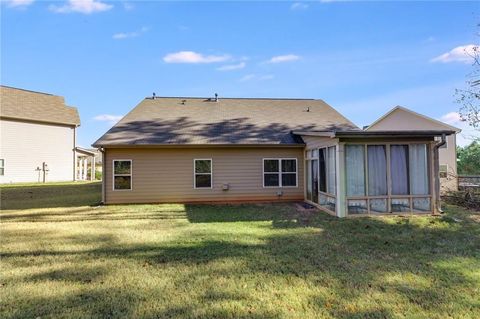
column 92, row 175
column 80, row 168
column 341, row 205
column 85, row 168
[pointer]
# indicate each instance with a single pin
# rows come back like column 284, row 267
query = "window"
column 443, row 169
column 122, row 174
column 203, row 173
column 2, row 167
column 280, row 172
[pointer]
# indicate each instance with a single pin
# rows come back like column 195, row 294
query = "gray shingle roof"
column 35, row 106
column 166, row 121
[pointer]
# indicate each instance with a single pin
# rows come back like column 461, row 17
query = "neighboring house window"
column 122, row 174
column 203, row 173
column 2, row 167
column 443, row 169
column 280, row 172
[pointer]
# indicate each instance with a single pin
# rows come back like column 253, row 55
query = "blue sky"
column 363, row 58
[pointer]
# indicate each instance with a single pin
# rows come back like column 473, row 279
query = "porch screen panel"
column 322, row 173
column 309, row 180
column 377, row 170
column 419, row 169
column 331, row 171
column 399, row 169
column 355, row 169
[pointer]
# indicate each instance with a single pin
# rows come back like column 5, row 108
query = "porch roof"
column 375, row 134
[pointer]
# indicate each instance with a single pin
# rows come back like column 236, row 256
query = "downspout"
column 436, row 171
column 74, row 153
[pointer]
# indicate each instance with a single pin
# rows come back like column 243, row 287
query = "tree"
column 469, row 98
column 469, row 159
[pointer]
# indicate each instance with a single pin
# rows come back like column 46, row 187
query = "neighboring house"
column 38, row 132
column 400, row 118
column 227, row 150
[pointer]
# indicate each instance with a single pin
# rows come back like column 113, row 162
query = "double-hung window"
column 2, row 167
column 203, row 173
column 280, row 172
column 122, row 174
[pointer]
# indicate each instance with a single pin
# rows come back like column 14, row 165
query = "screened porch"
column 364, row 173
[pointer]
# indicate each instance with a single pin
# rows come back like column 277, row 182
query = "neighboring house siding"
column 25, row 146
column 448, row 156
column 166, row 175
column 402, row 120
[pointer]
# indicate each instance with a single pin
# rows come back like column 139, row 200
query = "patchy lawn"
column 242, row 261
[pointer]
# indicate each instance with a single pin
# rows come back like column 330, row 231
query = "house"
column 181, row 149
column 402, row 118
column 38, row 137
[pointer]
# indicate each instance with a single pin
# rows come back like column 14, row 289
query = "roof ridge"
column 232, row 98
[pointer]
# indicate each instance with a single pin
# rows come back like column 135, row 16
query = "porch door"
column 314, row 180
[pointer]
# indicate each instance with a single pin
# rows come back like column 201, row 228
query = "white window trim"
column 113, row 174
column 3, row 166
column 195, row 173
column 279, row 172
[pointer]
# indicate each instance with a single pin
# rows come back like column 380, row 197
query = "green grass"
column 234, row 261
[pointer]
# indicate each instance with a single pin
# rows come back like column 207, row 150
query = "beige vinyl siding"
column 25, row 146
column 166, row 175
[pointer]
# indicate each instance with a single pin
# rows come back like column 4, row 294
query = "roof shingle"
column 35, row 106
column 197, row 121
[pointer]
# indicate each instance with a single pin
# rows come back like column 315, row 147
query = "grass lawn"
column 68, row 259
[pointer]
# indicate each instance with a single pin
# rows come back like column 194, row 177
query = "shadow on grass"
column 351, row 258
column 50, row 196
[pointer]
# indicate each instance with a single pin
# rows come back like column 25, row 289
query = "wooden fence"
column 469, row 182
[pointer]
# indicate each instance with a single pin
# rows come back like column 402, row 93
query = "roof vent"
column 216, row 97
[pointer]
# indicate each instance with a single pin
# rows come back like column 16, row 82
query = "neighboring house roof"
column 178, row 120
column 20, row 104
column 85, row 151
column 410, row 123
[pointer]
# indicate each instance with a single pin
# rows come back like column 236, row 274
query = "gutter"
column 436, row 172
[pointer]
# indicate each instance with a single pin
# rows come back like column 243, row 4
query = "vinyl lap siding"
column 166, row 175
column 25, row 146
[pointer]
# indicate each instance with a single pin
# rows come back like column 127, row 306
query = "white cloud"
column 462, row 53
column 468, row 133
column 18, row 3
column 451, row 118
column 194, row 57
column 111, row 119
column 128, row 6
column 298, row 6
column 250, row 77
column 284, row 58
column 125, row 35
column 247, row 77
column 82, row 6
column 231, row 67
